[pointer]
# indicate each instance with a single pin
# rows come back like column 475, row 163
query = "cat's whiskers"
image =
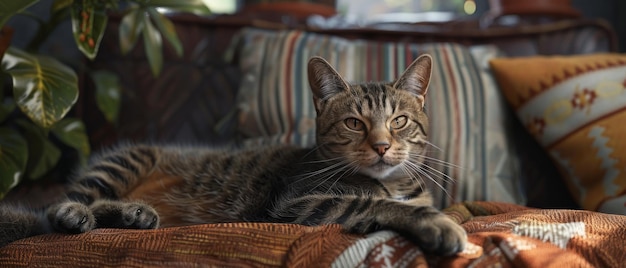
column 435, row 160
column 336, row 165
column 413, row 176
column 434, row 171
column 425, row 167
column 433, row 145
column 316, row 174
column 344, row 167
column 420, row 171
column 348, row 168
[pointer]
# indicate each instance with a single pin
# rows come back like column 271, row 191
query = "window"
column 221, row 6
column 373, row 11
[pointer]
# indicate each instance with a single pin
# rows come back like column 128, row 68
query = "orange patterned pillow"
column 575, row 106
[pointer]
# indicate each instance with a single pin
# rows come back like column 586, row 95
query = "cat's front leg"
column 426, row 226
column 75, row 217
column 431, row 229
column 128, row 215
column 71, row 217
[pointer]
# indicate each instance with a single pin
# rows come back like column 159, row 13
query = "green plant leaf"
column 166, row 27
column 43, row 155
column 192, row 6
column 130, row 28
column 13, row 157
column 44, row 88
column 153, row 46
column 73, row 133
column 108, row 93
column 9, row 8
column 88, row 24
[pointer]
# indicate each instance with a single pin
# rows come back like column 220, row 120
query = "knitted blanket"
column 500, row 234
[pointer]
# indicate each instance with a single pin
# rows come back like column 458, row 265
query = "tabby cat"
column 366, row 173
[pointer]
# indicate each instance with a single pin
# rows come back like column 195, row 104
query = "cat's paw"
column 440, row 235
column 139, row 216
column 71, row 217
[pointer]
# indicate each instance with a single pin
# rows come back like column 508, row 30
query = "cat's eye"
column 399, row 122
column 354, row 124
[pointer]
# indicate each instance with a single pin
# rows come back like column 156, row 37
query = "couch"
column 509, row 182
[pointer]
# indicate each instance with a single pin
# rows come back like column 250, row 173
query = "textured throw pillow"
column 275, row 104
column 575, row 106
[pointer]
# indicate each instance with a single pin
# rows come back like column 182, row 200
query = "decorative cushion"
column 275, row 104
column 575, row 106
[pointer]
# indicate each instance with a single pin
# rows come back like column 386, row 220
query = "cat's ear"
column 416, row 77
column 324, row 80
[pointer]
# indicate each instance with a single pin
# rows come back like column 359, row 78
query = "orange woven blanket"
column 500, row 235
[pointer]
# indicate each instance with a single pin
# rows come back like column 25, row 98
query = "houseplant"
column 38, row 91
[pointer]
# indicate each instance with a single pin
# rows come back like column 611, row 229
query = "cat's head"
column 377, row 129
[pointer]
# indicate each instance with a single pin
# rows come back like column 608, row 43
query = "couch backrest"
column 167, row 108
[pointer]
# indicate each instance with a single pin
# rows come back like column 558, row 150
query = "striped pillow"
column 275, row 104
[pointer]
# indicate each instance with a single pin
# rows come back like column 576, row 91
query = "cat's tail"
column 18, row 222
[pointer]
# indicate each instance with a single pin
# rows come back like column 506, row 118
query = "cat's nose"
column 381, row 147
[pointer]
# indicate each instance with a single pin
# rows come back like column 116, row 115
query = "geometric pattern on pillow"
column 275, row 104
column 575, row 106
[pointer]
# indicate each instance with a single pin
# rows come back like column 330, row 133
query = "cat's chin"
column 380, row 170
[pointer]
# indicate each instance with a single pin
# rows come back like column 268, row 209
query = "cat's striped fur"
column 365, row 173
